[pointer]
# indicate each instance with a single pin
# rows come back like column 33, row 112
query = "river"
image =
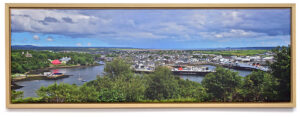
column 80, row 74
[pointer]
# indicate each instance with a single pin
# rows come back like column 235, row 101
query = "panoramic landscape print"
column 150, row 55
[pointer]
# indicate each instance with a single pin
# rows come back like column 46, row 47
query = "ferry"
column 245, row 66
column 191, row 70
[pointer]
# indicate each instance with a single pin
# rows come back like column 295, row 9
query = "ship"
column 245, row 66
column 191, row 70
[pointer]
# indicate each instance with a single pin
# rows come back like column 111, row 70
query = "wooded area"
column 39, row 59
column 120, row 84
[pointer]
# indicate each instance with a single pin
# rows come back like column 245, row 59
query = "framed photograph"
column 150, row 55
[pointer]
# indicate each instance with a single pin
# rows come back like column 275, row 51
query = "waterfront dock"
column 187, row 70
column 199, row 73
column 243, row 66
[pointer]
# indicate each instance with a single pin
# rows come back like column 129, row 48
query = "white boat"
column 79, row 78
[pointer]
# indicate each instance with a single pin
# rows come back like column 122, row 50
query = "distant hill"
column 60, row 48
column 23, row 46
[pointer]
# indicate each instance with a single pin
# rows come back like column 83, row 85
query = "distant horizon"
column 149, row 48
column 151, row 28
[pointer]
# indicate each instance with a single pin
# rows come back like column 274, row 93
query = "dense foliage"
column 223, row 85
column 260, row 86
column 281, row 70
column 163, row 86
column 120, row 84
column 21, row 64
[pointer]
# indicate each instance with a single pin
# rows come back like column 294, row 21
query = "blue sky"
column 158, row 28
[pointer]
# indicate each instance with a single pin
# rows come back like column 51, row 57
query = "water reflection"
column 77, row 77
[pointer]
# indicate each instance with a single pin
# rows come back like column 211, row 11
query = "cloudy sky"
column 159, row 28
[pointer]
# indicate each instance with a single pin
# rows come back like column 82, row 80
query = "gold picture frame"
column 10, row 105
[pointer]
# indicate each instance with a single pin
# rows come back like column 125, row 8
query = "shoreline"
column 57, row 67
column 39, row 78
column 15, row 86
column 35, row 74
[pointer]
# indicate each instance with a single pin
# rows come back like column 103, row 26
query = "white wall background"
column 204, row 112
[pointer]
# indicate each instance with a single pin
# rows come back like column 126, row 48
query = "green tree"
column 223, row 85
column 117, row 68
column 109, row 90
column 88, row 93
column 111, row 95
column 16, row 95
column 281, row 69
column 59, row 93
column 193, row 90
column 259, row 86
column 39, row 59
column 133, row 88
column 162, row 85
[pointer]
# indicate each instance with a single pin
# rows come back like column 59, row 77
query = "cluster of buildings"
column 147, row 60
column 245, row 62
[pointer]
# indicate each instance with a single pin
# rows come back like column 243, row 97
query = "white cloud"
column 49, row 39
column 137, row 35
column 36, row 37
column 172, row 27
column 233, row 33
column 231, row 18
column 89, row 44
column 78, row 44
column 131, row 22
column 237, row 33
column 55, row 21
column 134, row 25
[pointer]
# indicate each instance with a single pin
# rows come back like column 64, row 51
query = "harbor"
column 80, row 75
column 188, row 65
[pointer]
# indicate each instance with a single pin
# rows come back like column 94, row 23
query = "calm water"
column 78, row 75
column 87, row 74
